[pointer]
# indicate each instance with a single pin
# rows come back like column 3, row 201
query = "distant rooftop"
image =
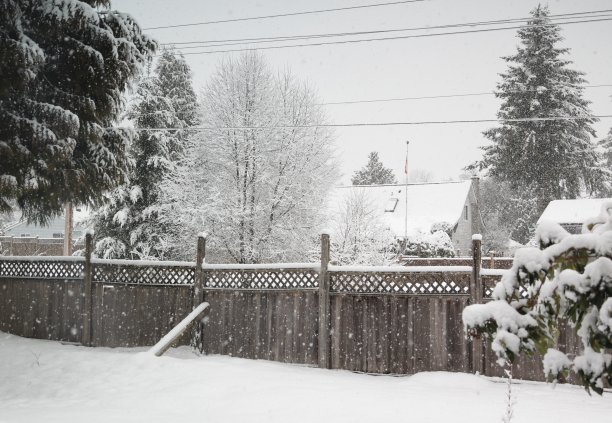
column 428, row 203
column 572, row 211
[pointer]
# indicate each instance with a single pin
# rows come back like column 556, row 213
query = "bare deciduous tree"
column 266, row 166
column 359, row 235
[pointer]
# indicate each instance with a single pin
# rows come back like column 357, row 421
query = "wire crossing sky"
column 282, row 15
column 428, row 76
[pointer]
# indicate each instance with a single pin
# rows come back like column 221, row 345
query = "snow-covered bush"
column 569, row 277
column 436, row 243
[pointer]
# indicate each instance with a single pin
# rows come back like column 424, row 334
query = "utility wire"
column 382, row 100
column 236, row 41
column 363, row 124
column 281, row 15
column 393, row 38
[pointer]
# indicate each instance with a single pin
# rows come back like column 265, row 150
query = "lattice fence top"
column 342, row 279
column 143, row 275
column 261, row 278
column 488, row 285
column 19, row 268
column 442, row 283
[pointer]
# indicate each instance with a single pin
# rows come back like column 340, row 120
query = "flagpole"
column 406, row 197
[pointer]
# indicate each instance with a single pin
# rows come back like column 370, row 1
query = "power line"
column 257, row 40
column 281, row 15
column 364, row 124
column 381, row 100
column 392, row 38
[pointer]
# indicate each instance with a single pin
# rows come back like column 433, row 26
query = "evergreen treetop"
column 374, row 173
column 539, row 83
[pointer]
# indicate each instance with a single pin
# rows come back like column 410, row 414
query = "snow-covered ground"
column 44, row 381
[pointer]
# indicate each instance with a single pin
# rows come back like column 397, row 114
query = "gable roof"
column 428, row 203
column 572, row 211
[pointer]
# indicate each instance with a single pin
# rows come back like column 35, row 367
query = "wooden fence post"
column 476, row 298
column 476, row 288
column 198, row 290
column 324, row 306
column 87, row 292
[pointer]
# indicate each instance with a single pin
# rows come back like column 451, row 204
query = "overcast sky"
column 414, row 67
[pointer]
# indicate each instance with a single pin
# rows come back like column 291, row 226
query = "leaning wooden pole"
column 324, row 306
column 198, row 291
column 86, row 335
column 476, row 292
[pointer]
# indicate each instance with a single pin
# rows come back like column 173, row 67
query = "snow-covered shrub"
column 568, row 277
column 436, row 243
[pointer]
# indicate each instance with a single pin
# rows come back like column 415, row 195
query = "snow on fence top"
column 401, row 269
column 493, row 272
column 263, row 266
column 145, row 263
column 43, row 258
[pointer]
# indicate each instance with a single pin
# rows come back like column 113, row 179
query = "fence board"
column 273, row 325
column 45, row 309
column 137, row 315
column 398, row 334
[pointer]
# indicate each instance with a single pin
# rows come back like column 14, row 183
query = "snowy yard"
column 50, row 382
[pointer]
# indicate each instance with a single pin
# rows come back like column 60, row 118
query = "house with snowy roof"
column 571, row 214
column 410, row 209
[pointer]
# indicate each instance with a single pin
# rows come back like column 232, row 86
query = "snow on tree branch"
column 568, row 278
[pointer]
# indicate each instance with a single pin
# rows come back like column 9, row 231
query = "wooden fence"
column 369, row 319
column 32, row 246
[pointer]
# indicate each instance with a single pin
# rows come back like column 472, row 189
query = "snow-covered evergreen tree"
column 568, row 278
column 540, row 83
column 65, row 65
column 373, row 173
column 259, row 178
column 130, row 225
column 606, row 145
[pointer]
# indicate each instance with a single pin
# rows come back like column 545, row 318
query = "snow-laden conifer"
column 540, row 83
column 130, row 224
column 65, row 66
column 373, row 173
column 568, row 278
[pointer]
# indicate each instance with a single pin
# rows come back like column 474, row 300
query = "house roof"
column 572, row 211
column 428, row 203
